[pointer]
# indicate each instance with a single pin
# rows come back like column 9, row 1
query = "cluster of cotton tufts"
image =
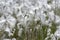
column 14, row 13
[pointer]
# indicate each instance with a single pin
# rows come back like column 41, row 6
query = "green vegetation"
column 57, row 11
column 53, row 27
column 45, row 27
column 49, row 1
